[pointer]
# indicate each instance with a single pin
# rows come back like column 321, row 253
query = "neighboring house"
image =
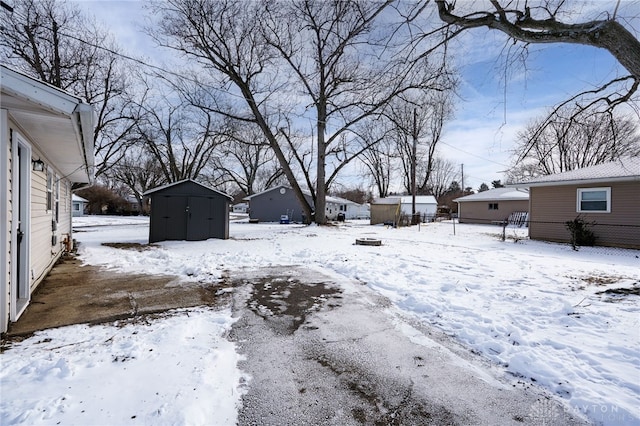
column 188, row 210
column 358, row 211
column 607, row 195
column 77, row 205
column 240, row 208
column 270, row 205
column 46, row 151
column 350, row 209
column 494, row 205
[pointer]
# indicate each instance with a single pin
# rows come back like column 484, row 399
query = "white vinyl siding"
column 44, row 252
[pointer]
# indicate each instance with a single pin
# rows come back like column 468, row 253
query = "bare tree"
column 550, row 21
column 571, row 141
column 138, row 172
column 221, row 36
column 442, row 175
column 247, row 160
column 529, row 23
column 326, row 62
column 182, row 138
column 379, row 159
column 419, row 115
column 54, row 42
column 328, row 46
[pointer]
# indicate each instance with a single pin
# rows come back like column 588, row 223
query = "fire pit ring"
column 368, row 242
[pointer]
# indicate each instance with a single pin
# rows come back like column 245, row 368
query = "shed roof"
column 181, row 182
column 78, row 198
column 497, row 194
column 624, row 169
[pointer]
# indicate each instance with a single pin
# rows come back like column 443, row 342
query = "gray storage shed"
column 269, row 205
column 188, row 210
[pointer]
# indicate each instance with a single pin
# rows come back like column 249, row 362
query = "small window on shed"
column 594, row 200
column 493, row 206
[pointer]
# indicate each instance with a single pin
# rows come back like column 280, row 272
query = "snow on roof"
column 338, row 200
column 386, row 200
column 406, row 199
column 75, row 197
column 624, row 169
column 502, row 194
column 420, row 199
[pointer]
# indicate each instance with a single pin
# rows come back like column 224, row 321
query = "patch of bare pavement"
column 320, row 353
column 76, row 294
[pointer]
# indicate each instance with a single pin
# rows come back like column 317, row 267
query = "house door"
column 21, row 229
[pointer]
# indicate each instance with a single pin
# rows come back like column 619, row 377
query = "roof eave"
column 578, row 181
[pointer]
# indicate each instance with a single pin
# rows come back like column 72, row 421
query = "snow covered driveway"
column 540, row 314
column 323, row 353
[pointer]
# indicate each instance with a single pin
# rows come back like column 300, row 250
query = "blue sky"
column 495, row 102
column 493, row 107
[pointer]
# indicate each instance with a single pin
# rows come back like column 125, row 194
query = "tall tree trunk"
column 321, row 189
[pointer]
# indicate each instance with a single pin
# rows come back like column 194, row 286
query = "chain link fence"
column 577, row 233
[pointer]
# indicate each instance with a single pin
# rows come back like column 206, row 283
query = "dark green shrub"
column 580, row 231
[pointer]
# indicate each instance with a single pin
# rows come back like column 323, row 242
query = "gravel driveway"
column 323, row 352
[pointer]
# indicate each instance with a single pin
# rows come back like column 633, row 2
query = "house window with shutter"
column 594, row 200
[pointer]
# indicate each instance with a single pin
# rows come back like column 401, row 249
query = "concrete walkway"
column 74, row 294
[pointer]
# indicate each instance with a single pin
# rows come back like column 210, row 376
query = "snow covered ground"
column 535, row 308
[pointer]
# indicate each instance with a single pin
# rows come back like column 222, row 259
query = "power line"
column 130, row 58
column 474, row 155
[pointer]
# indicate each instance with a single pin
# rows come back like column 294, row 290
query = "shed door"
column 173, row 223
column 199, row 220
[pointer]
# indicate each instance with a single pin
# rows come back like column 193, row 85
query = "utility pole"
column 462, row 173
column 413, row 168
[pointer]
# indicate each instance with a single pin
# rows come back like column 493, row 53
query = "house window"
column 493, row 206
column 594, row 200
column 49, row 189
column 56, row 199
